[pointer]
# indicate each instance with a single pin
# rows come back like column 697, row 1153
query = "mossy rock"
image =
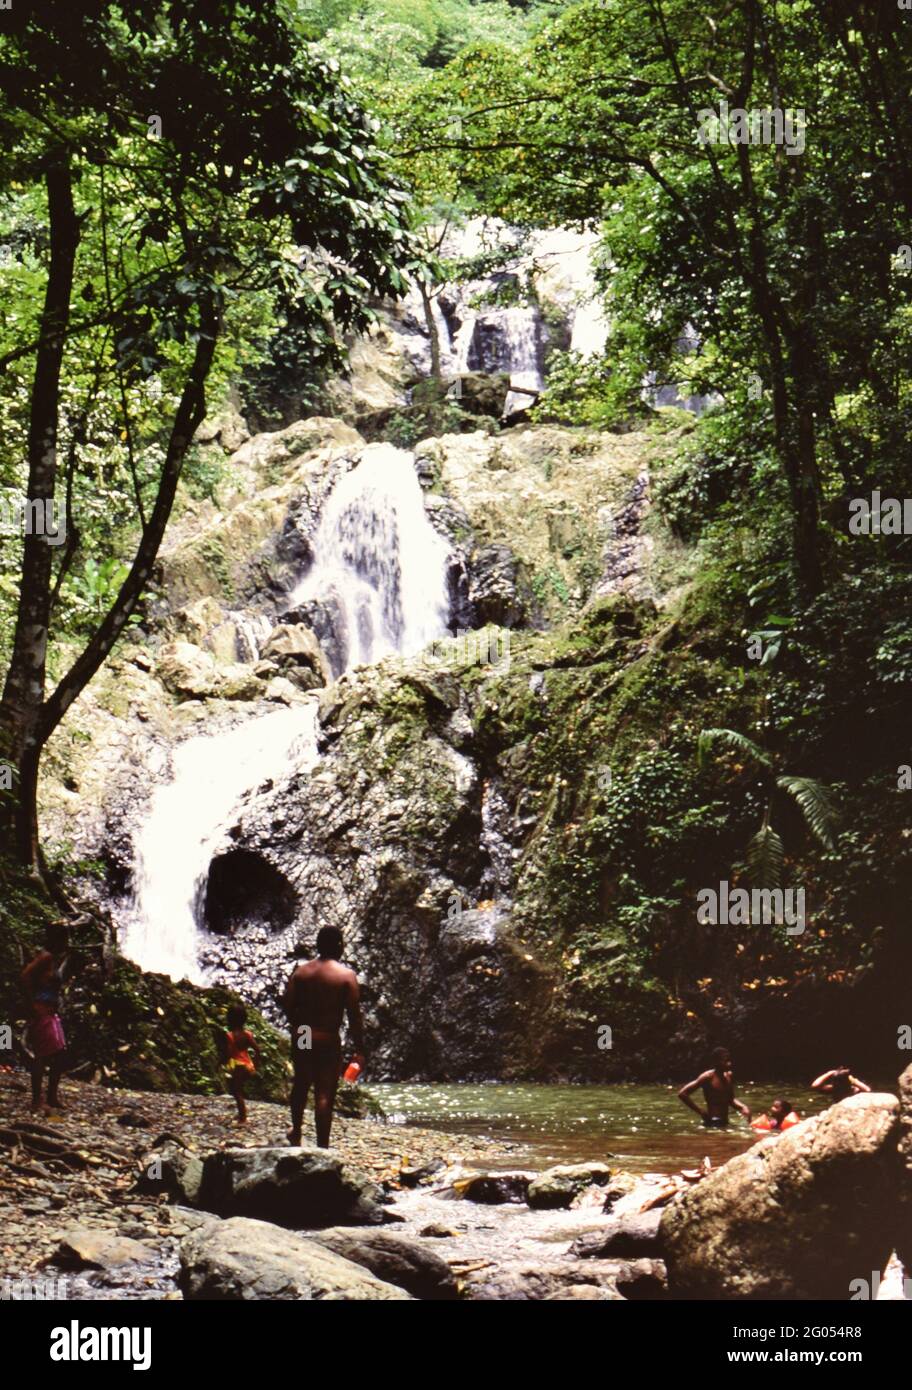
column 137, row 1030
column 358, row 1103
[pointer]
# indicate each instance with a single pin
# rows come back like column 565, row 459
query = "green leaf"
column 765, row 858
column 816, row 803
column 733, row 741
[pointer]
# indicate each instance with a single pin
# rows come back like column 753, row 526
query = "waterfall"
column 186, row 821
column 520, row 328
column 382, row 568
column 503, row 340
column 378, row 563
column 252, row 631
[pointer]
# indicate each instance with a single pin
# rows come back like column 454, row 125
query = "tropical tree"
column 766, row 850
column 167, row 165
column 777, row 254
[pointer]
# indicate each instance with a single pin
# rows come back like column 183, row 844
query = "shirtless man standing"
column 718, row 1086
column 316, row 997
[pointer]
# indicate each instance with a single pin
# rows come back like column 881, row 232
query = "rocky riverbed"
column 73, row 1205
column 78, row 1168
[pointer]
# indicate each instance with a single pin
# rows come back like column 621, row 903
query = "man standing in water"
column 718, row 1087
column 316, row 997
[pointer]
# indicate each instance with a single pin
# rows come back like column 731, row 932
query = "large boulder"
column 305, row 1187
column 192, row 673
column 254, row 1260
column 482, row 393
column 799, row 1216
column 187, row 670
column 294, row 651
column 560, row 1186
column 394, row 1259
column 228, row 430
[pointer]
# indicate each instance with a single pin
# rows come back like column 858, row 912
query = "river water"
column 639, row 1128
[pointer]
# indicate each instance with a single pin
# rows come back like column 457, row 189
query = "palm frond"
column 766, row 858
column 817, row 806
column 735, row 742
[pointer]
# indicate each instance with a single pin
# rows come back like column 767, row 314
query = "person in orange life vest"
column 239, row 1045
column 781, row 1117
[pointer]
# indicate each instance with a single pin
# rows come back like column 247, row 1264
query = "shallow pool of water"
column 643, row 1128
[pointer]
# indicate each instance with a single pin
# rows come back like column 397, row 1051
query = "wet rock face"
column 386, row 836
column 799, row 1216
column 493, row 587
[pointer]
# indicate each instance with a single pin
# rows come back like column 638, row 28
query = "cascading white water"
column 521, row 338
column 186, row 821
column 517, row 349
column 252, row 631
column 380, row 564
column 378, row 561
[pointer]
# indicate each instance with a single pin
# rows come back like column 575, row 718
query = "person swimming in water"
column 718, row 1087
column 839, row 1084
column 781, row 1117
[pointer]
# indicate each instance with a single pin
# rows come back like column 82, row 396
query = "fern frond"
column 817, row 806
column 732, row 740
column 766, row 858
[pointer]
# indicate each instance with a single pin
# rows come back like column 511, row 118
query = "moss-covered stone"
column 142, row 1031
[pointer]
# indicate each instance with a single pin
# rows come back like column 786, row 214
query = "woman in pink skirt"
column 42, row 980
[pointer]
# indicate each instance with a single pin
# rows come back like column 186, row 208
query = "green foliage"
column 733, row 741
column 765, row 851
column 584, row 391
column 817, row 805
column 741, row 276
column 550, row 585
column 766, row 857
column 723, row 465
column 94, row 588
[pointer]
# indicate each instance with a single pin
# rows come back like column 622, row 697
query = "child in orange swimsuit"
column 240, row 1044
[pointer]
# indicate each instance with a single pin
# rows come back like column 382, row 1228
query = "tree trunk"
column 190, row 412
column 433, row 332
column 792, row 407
column 23, row 695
